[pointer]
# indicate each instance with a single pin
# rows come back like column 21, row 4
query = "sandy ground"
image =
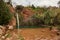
column 33, row 34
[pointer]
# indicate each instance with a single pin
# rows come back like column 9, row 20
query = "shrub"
column 50, row 17
column 57, row 19
column 38, row 18
column 47, row 18
column 5, row 14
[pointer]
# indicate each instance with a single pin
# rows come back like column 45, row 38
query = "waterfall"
column 17, row 18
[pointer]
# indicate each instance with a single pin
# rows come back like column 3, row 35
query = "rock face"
column 27, row 13
column 12, row 22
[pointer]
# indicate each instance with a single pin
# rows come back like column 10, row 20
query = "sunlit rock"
column 10, row 27
column 2, row 30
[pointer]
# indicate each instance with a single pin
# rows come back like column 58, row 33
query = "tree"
column 5, row 14
column 59, row 4
column 19, row 8
column 9, row 2
column 33, row 6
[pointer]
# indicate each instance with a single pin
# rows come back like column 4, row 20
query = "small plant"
column 8, row 35
column 20, row 38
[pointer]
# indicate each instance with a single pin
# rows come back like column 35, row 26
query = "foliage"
column 57, row 19
column 59, row 3
column 21, row 18
column 38, row 19
column 5, row 14
column 47, row 18
column 19, row 8
column 42, row 16
column 33, row 7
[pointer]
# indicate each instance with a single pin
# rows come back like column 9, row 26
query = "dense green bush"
column 5, row 14
column 38, row 18
column 47, row 18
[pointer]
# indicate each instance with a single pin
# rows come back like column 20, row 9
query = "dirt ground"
column 34, row 34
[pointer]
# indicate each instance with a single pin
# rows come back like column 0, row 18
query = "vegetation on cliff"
column 5, row 14
column 39, row 16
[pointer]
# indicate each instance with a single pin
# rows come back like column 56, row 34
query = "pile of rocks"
column 4, row 31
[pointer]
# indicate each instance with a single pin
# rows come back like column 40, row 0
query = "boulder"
column 10, row 27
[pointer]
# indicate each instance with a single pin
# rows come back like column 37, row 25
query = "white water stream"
column 17, row 18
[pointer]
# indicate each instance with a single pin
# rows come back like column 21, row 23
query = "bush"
column 5, row 14
column 57, row 19
column 38, row 18
column 47, row 18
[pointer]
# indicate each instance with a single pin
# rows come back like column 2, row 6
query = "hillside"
column 35, row 23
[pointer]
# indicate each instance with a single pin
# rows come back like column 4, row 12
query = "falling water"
column 17, row 18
